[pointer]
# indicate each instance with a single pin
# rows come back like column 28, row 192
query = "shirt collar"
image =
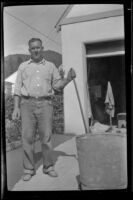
column 32, row 61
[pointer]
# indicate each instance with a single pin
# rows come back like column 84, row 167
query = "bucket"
column 121, row 117
column 102, row 161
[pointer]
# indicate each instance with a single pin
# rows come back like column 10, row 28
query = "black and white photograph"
column 65, row 97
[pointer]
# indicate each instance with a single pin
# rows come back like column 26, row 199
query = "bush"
column 12, row 128
column 58, row 114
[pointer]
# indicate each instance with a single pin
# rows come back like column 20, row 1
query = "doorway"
column 100, row 70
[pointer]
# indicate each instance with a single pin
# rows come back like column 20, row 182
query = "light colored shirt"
column 37, row 79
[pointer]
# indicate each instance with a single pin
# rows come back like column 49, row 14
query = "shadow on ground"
column 55, row 156
column 56, row 140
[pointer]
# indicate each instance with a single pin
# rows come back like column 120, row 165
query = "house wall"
column 73, row 54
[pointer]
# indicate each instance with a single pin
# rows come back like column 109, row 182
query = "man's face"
column 36, row 49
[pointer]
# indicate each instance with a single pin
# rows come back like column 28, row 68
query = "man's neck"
column 37, row 60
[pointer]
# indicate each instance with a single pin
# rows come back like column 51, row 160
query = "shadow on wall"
column 78, row 181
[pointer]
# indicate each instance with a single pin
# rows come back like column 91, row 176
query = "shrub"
column 58, row 114
column 12, row 128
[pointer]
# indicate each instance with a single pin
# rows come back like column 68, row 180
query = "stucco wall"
column 73, row 37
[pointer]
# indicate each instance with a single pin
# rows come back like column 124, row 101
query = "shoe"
column 27, row 177
column 51, row 172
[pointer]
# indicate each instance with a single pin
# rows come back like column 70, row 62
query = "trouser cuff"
column 29, row 171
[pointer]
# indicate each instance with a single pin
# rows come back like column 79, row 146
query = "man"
column 35, row 84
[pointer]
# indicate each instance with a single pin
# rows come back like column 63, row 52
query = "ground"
column 14, row 159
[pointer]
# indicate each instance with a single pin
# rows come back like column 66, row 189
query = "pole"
column 110, row 121
column 111, row 127
column 86, row 130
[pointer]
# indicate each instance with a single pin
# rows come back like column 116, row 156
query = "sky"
column 21, row 23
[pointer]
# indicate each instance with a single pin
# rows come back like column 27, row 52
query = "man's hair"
column 33, row 40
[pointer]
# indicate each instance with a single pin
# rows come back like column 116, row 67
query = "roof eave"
column 90, row 17
column 59, row 22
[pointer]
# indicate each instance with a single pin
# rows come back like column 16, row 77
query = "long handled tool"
column 85, row 126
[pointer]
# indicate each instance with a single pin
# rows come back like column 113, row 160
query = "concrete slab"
column 67, row 167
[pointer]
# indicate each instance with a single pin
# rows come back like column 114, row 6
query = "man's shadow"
column 55, row 156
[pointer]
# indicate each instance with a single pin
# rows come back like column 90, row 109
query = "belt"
column 37, row 98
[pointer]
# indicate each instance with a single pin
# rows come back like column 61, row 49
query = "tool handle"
column 86, row 130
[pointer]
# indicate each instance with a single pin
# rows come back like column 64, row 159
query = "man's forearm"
column 61, row 84
column 16, row 101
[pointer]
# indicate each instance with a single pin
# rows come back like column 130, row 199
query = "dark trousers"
column 36, row 113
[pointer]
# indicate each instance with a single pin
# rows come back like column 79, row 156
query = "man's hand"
column 71, row 75
column 16, row 114
column 62, row 72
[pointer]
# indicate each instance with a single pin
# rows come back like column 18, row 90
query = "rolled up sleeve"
column 18, row 83
column 57, row 82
